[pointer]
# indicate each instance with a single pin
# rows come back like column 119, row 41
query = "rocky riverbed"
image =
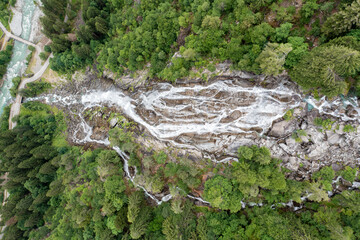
column 211, row 120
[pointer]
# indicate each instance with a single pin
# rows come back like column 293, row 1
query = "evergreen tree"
column 327, row 68
column 272, row 58
column 343, row 20
column 134, row 205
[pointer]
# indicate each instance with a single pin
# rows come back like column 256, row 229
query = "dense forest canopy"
column 265, row 37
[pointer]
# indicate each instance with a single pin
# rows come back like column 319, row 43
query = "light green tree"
column 271, row 60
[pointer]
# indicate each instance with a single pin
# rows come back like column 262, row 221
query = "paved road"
column 15, row 107
column 9, row 34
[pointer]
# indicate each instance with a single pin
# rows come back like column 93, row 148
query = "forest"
column 316, row 42
column 58, row 191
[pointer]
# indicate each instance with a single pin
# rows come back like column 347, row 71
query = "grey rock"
column 333, row 139
column 319, row 151
column 314, row 113
column 304, row 125
column 290, row 142
column 304, row 139
column 342, row 143
column 113, row 122
column 283, row 128
column 316, row 136
column 285, row 148
column 297, row 112
column 336, row 167
column 293, row 164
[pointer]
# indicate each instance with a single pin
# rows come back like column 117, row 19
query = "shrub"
column 160, row 157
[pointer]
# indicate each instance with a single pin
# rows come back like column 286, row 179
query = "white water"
column 171, row 113
column 336, row 108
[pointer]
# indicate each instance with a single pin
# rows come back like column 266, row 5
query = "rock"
column 15, row 24
column 336, row 167
column 113, row 122
column 314, row 113
column 319, row 150
column 283, row 128
column 293, row 164
column 304, row 125
column 285, row 148
column 351, row 111
column 297, row 112
column 28, row 75
column 99, row 133
column 340, row 130
column 346, row 183
column 342, row 143
column 290, row 141
column 316, row 136
column 304, row 139
column 333, row 139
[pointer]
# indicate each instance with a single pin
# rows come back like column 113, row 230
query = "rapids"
column 194, row 116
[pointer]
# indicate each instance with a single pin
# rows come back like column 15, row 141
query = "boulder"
column 290, row 142
column 113, row 122
column 319, row 150
column 333, row 139
column 336, row 167
column 293, row 164
column 316, row 136
column 304, row 139
column 283, row 128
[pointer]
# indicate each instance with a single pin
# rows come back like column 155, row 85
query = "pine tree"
column 138, row 227
column 176, row 205
column 47, row 168
column 135, row 201
column 170, row 229
column 25, row 203
column 326, row 68
column 343, row 20
column 201, row 228
column 34, row 219
column 101, row 25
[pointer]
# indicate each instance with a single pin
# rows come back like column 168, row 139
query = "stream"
column 17, row 65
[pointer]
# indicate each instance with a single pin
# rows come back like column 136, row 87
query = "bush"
column 160, row 157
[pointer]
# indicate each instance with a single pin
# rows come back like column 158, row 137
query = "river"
column 17, row 65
